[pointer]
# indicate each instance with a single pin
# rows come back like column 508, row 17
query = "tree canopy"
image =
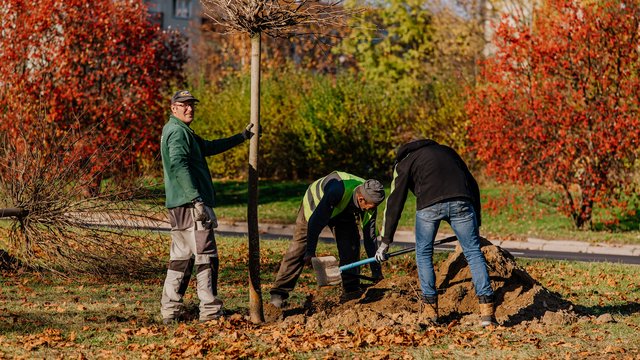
column 97, row 67
column 559, row 102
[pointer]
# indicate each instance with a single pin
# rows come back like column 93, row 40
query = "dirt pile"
column 395, row 300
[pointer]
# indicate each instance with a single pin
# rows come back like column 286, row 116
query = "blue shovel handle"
column 396, row 253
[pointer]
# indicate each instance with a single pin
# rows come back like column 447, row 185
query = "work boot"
column 351, row 294
column 487, row 311
column 215, row 316
column 429, row 313
column 276, row 300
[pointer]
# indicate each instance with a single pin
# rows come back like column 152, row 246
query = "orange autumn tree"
column 558, row 103
column 97, row 68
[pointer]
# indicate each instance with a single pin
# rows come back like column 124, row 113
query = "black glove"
column 248, row 134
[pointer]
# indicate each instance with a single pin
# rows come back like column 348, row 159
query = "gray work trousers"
column 192, row 243
column 345, row 230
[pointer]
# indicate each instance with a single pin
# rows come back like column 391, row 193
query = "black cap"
column 182, row 96
column 373, row 191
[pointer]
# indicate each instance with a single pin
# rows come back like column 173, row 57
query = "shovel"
column 328, row 270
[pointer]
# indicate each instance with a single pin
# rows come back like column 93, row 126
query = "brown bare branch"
column 276, row 18
column 66, row 229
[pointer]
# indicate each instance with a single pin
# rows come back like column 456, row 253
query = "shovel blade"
column 327, row 270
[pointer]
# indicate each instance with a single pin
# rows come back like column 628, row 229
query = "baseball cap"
column 182, row 96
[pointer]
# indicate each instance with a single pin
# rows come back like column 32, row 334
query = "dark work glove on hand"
column 248, row 134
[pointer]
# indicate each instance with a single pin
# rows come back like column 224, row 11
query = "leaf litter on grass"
column 383, row 322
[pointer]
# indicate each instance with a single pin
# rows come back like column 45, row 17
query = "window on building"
column 182, row 9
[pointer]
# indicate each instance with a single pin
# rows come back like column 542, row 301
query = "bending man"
column 445, row 190
column 340, row 201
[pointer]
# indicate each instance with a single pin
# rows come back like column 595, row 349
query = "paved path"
column 404, row 237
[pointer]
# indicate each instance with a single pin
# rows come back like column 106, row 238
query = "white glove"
column 381, row 253
column 205, row 213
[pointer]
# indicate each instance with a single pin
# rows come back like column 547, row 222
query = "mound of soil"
column 395, row 300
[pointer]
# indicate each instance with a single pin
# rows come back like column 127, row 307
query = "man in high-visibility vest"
column 340, row 201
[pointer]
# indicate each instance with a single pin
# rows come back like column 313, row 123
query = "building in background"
column 494, row 11
column 184, row 16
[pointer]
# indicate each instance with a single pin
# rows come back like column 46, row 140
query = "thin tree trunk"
column 255, row 293
column 12, row 212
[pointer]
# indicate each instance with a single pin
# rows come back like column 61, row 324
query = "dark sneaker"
column 376, row 279
column 215, row 316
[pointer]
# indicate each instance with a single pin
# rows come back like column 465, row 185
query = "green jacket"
column 186, row 174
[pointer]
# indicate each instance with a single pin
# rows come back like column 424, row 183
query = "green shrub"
column 314, row 123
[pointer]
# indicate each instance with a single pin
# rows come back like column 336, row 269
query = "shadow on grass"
column 33, row 322
column 236, row 192
column 630, row 308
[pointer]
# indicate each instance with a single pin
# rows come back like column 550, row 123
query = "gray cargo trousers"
column 192, row 243
column 345, row 230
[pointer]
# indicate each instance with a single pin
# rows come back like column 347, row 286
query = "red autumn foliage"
column 94, row 67
column 558, row 103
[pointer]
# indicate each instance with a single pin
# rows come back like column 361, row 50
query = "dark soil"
column 394, row 301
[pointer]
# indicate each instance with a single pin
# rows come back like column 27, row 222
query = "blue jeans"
column 462, row 218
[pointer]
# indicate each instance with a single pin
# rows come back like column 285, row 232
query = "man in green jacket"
column 340, row 201
column 190, row 200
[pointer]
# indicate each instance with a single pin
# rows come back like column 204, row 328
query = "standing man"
column 340, row 201
column 445, row 190
column 190, row 200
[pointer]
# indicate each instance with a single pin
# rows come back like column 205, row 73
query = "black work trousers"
column 345, row 230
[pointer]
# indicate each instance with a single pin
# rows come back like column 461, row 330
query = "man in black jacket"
column 444, row 190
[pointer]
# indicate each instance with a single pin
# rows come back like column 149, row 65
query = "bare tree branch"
column 64, row 228
column 276, row 18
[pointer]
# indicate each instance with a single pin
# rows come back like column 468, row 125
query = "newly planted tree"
column 274, row 18
column 559, row 104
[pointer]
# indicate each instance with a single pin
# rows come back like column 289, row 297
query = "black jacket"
column 434, row 173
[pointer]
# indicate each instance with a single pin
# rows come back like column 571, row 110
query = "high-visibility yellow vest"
column 315, row 192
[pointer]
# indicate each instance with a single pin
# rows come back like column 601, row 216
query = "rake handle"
column 395, row 253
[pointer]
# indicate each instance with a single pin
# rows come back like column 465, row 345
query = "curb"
column 407, row 236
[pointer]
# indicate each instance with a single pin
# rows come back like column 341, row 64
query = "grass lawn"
column 43, row 316
column 507, row 212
